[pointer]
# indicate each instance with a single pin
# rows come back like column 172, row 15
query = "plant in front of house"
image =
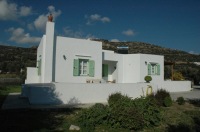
column 168, row 101
column 147, row 78
column 121, row 113
column 91, row 117
column 160, row 96
column 180, row 100
column 178, row 76
column 133, row 114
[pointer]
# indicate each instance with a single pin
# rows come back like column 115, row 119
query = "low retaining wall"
column 175, row 86
column 73, row 93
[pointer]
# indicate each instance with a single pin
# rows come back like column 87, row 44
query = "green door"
column 105, row 70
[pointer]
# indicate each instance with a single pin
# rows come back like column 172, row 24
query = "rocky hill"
column 146, row 48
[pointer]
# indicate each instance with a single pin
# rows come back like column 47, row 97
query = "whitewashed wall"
column 32, row 72
column 73, row 93
column 131, row 68
column 40, row 54
column 174, row 86
column 48, row 54
column 109, row 57
column 144, row 68
column 32, row 76
column 71, row 48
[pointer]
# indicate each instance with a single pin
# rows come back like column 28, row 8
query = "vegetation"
column 140, row 114
column 168, row 101
column 178, row 76
column 6, row 89
column 14, row 60
column 147, row 78
column 122, row 113
column 180, row 100
column 162, row 97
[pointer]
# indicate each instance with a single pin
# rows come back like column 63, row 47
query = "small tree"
column 178, row 76
column 147, row 78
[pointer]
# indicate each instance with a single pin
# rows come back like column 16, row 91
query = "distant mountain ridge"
column 146, row 48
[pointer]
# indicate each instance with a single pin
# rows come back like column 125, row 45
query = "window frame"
column 153, row 68
column 78, row 68
column 81, row 67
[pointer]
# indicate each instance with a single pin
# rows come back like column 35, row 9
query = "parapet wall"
column 82, row 93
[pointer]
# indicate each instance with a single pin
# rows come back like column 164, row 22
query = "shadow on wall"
column 44, row 94
column 73, row 101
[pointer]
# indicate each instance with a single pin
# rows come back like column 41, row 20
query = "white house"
column 72, row 71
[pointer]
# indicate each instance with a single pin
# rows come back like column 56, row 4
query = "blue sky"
column 168, row 23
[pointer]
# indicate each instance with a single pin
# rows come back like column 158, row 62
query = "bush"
column 145, row 113
column 96, row 115
column 178, row 76
column 160, row 96
column 149, row 109
column 114, row 99
column 131, row 118
column 147, row 78
column 168, row 101
column 180, row 100
column 122, row 113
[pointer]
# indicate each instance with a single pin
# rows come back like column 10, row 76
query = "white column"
column 48, row 53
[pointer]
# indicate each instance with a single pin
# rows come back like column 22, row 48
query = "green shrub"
column 160, row 96
column 147, row 78
column 131, row 118
column 180, row 100
column 150, row 110
column 122, row 113
column 168, row 101
column 114, row 98
column 91, row 117
column 118, row 100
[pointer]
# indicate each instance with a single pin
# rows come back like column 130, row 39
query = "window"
column 153, row 69
column 83, row 67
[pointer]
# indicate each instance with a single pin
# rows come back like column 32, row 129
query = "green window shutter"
column 91, row 68
column 149, row 69
column 158, row 69
column 105, row 70
column 76, row 67
column 39, row 67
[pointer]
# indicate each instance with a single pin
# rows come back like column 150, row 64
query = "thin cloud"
column 11, row 11
column 40, row 22
column 70, row 33
column 193, row 52
column 19, row 36
column 1, row 43
column 128, row 32
column 25, row 11
column 76, row 34
column 114, row 40
column 96, row 17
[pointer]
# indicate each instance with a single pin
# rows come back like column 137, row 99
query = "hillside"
column 13, row 59
column 146, row 48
